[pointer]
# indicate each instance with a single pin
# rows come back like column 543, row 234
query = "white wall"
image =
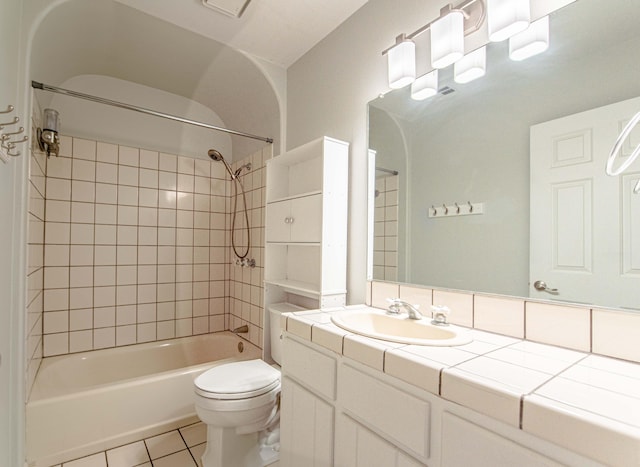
column 12, row 181
column 327, row 94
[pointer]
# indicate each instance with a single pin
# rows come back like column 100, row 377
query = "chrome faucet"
column 396, row 303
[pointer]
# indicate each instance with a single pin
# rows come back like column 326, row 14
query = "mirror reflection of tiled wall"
column 385, row 247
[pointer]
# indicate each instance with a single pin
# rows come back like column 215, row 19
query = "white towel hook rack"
column 455, row 209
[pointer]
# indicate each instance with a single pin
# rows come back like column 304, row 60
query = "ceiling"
column 278, row 31
column 130, row 45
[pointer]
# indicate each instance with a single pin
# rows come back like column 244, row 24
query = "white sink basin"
column 374, row 323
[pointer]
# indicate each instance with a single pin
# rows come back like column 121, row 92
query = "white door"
column 585, row 225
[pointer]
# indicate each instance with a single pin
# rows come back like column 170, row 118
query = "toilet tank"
column 275, row 310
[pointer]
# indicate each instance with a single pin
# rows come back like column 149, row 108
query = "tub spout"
column 241, row 330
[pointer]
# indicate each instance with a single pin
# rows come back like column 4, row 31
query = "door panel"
column 585, row 225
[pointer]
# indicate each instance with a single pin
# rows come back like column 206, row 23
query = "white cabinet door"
column 278, row 226
column 306, row 219
column 465, row 444
column 297, row 220
column 306, row 437
column 356, row 446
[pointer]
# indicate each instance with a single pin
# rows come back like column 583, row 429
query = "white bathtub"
column 92, row 401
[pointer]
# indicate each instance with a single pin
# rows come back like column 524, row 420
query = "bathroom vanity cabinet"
column 339, row 412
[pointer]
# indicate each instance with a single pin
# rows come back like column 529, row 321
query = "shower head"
column 217, row 156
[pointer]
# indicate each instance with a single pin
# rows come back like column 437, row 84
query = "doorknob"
column 543, row 287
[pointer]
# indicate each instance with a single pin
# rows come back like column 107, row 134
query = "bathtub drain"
column 240, row 347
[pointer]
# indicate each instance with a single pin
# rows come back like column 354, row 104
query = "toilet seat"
column 238, row 380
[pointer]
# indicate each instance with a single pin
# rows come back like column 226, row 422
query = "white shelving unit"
column 306, row 227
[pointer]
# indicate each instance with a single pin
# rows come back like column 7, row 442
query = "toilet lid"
column 238, row 380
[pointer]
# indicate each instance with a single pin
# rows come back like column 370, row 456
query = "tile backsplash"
column 136, row 248
column 607, row 332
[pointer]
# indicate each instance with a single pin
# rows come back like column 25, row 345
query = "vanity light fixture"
column 447, row 38
column 507, row 17
column 48, row 139
column 402, row 62
column 471, row 66
column 425, row 86
column 531, row 41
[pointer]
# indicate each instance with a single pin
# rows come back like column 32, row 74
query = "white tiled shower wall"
column 136, row 247
column 385, row 236
column 246, row 292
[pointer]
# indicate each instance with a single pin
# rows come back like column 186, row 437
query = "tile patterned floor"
column 179, row 448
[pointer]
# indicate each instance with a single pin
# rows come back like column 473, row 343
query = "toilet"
column 240, row 403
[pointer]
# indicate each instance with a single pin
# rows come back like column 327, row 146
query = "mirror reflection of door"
column 586, row 225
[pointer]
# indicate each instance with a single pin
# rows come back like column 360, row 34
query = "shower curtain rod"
column 389, row 171
column 101, row 100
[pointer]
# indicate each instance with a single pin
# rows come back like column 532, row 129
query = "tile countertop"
column 584, row 402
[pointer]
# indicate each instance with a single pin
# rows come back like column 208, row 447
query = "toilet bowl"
column 237, row 401
column 240, row 402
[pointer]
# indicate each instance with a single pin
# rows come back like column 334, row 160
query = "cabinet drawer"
column 310, row 367
column 400, row 417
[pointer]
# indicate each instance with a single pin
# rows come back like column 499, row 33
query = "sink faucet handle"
column 439, row 314
column 394, row 306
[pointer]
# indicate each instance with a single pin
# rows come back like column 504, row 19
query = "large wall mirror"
column 526, row 146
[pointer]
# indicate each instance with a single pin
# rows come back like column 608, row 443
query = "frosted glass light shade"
column 471, row 66
column 506, row 18
column 447, row 39
column 531, row 41
column 402, row 64
column 425, row 86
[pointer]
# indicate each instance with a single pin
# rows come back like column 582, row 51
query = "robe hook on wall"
column 8, row 146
